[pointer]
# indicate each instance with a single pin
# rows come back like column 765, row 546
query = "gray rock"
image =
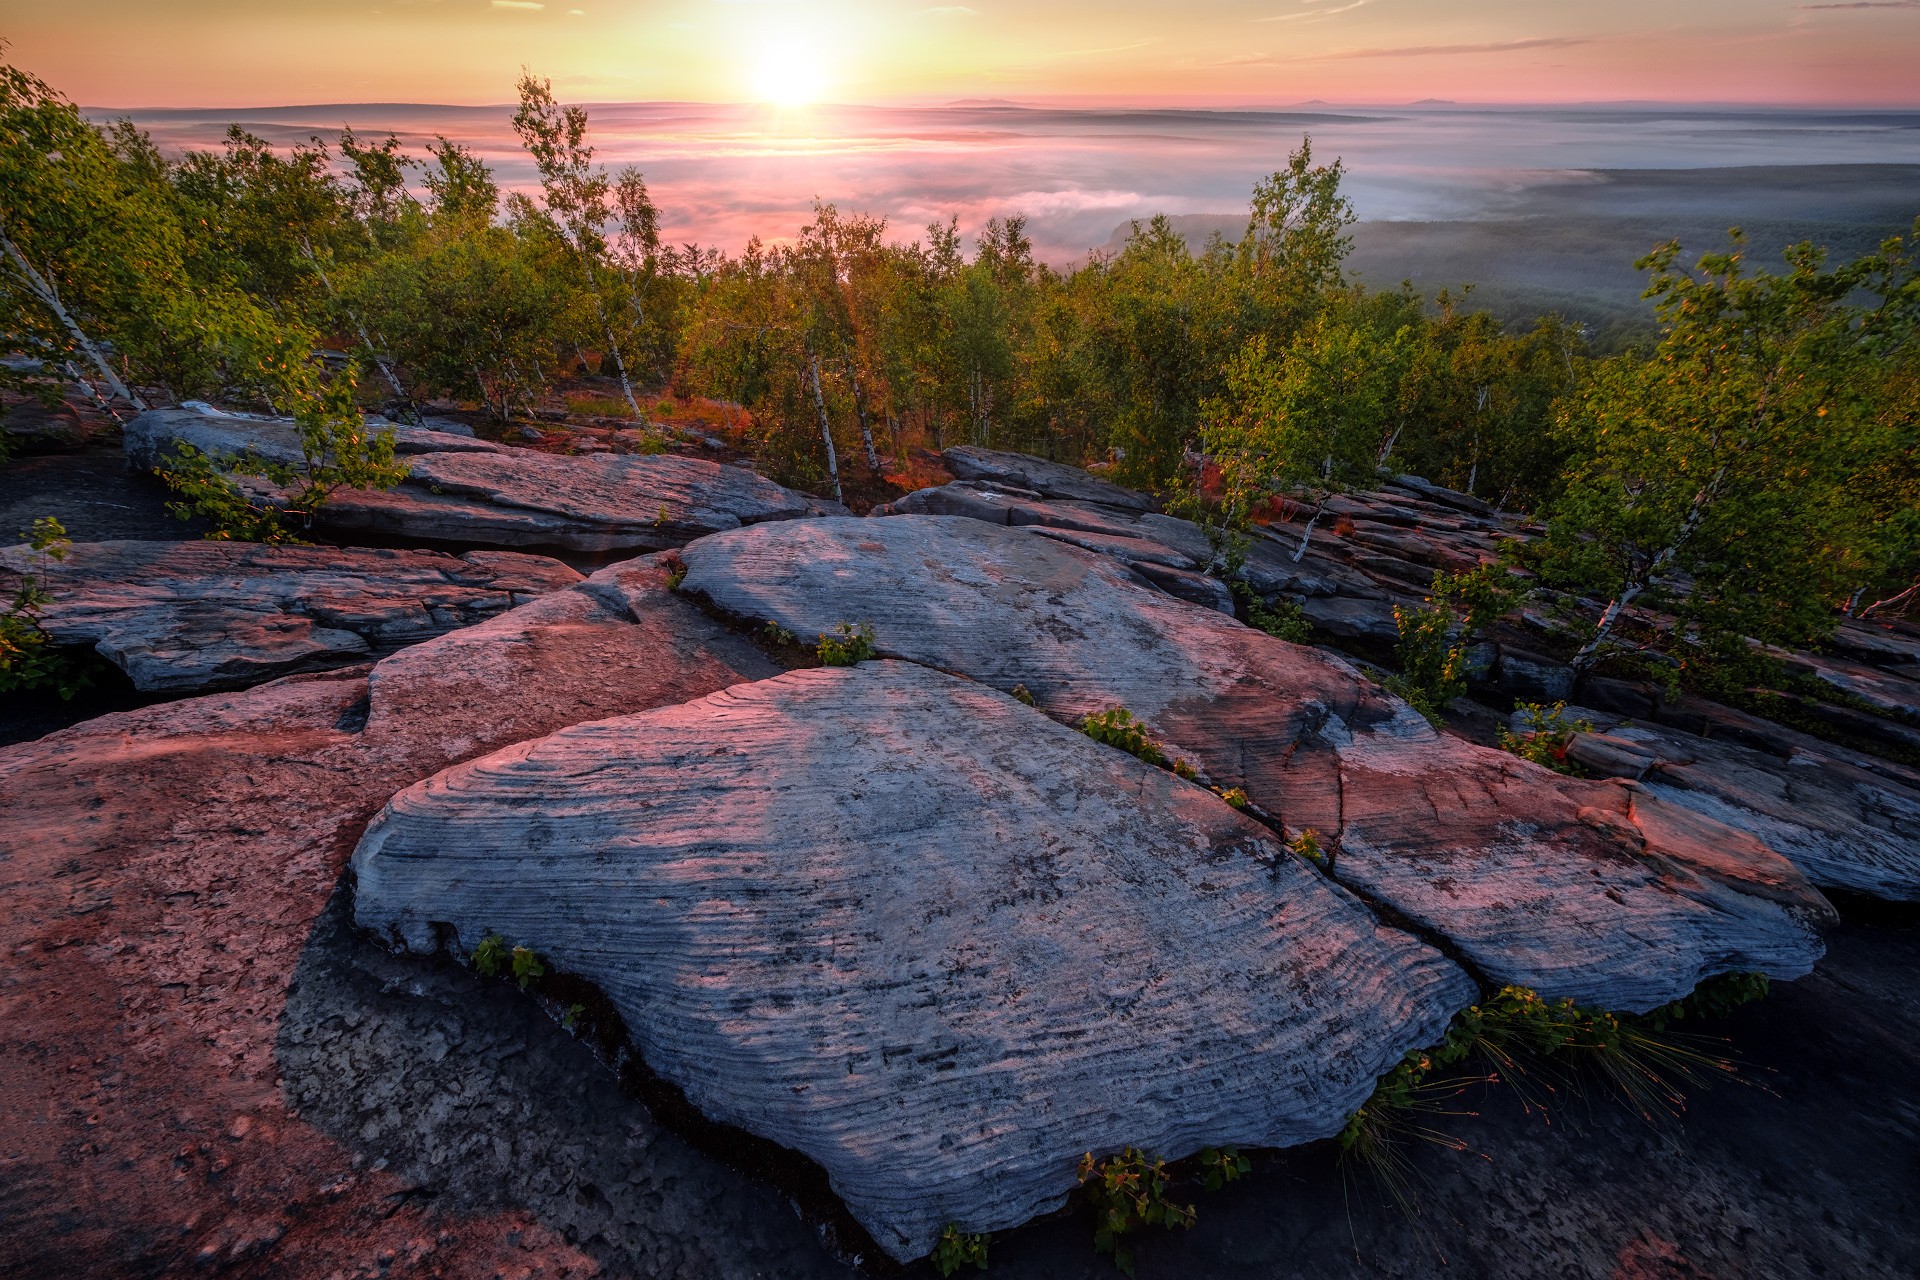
column 182, row 617
column 153, row 435
column 1533, row 678
column 920, row 933
column 1049, row 479
column 1604, row 755
column 598, row 502
column 1581, row 889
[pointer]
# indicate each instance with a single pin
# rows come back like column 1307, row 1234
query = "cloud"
column 1430, row 50
column 516, row 4
column 1113, row 48
column 1312, row 13
column 952, row 11
column 1243, row 60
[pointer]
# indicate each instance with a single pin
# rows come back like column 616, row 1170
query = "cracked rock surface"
column 920, row 933
column 1579, row 889
column 191, row 617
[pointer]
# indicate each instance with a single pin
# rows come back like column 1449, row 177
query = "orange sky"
column 127, row 53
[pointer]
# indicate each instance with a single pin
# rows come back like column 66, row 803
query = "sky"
column 237, row 53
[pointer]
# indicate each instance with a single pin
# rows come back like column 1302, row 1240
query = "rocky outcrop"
column 922, row 934
column 464, row 491
column 592, row 503
column 1583, row 889
column 1047, row 479
column 164, row 868
column 189, row 617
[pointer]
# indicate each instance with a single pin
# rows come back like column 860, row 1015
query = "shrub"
column 1129, row 1192
column 1546, row 737
column 491, row 956
column 1307, row 845
column 1283, row 620
column 1434, row 638
column 28, row 657
column 1222, row 1165
column 1235, row 797
column 847, row 646
column 527, row 968
column 957, row 1248
column 1118, row 728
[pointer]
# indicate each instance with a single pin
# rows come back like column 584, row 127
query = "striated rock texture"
column 920, row 933
column 163, row 870
column 189, row 617
column 599, row 502
column 151, row 436
column 1047, row 479
column 1581, row 889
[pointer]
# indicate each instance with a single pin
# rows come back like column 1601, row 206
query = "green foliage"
column 1546, row 737
column 1221, row 1165
column 1283, row 620
column 1307, row 845
column 957, row 1249
column 775, row 634
column 1236, row 797
column 527, row 968
column 1755, row 457
column 1434, row 639
column 491, row 957
column 1022, row 694
column 571, row 1017
column 847, row 646
column 28, row 657
column 676, row 574
column 1118, row 728
column 1127, row 1193
column 1516, row 1032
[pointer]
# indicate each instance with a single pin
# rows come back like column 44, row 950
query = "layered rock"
column 592, row 503
column 1582, row 889
column 1048, row 479
column 163, row 870
column 922, row 934
column 464, row 491
column 182, row 617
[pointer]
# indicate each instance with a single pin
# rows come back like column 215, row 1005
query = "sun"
column 788, row 71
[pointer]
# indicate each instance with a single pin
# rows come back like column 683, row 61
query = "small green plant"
column 1307, row 845
column 957, row 1249
column 49, row 537
column 1434, row 638
column 491, row 956
column 571, row 1018
column 527, row 968
column 1546, row 737
column 1283, row 620
column 665, row 407
column 1236, row 797
column 847, row 646
column 1128, row 1192
column 1023, row 694
column 1118, row 728
column 775, row 634
column 29, row 659
column 1222, row 1165
column 676, row 574
column 1181, row 769
column 662, row 517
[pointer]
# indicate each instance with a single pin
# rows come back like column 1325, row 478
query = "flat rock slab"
column 924, row 935
column 598, row 502
column 189, row 617
column 1048, row 479
column 164, row 869
column 1580, row 889
column 153, row 435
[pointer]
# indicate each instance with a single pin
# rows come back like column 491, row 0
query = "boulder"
column 920, row 933
column 1048, row 479
column 593, row 503
column 151, row 436
column 189, row 617
column 163, row 870
column 31, row 427
column 1531, row 878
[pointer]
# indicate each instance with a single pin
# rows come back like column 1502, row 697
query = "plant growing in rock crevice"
column 28, row 657
column 1546, row 737
column 956, row 1249
column 1118, row 728
column 1128, row 1192
column 1434, row 639
column 1518, row 1033
column 847, row 646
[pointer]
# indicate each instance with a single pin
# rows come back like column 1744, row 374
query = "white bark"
column 45, row 292
column 826, row 427
column 1312, row 520
column 400, row 392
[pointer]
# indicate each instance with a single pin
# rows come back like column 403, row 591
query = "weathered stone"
column 196, row 616
column 1533, row 678
column 920, row 933
column 1536, row 879
column 1605, row 755
column 152, row 436
column 163, row 870
column 1048, row 479
column 32, row 427
column 599, row 503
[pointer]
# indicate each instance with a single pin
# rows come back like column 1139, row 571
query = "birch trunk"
column 866, row 428
column 45, row 292
column 826, row 428
column 366, row 341
column 1312, row 520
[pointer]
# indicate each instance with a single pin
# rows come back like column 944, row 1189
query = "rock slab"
column 190, row 617
column 1572, row 888
column 924, row 935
